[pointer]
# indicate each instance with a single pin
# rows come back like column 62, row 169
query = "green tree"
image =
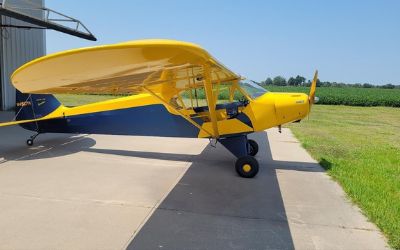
column 268, row 81
column 279, row 81
column 388, row 86
column 300, row 80
column 292, row 82
column 297, row 81
column 367, row 85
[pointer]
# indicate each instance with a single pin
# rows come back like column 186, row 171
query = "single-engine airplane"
column 168, row 88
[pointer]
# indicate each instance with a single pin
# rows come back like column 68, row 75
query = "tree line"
column 302, row 81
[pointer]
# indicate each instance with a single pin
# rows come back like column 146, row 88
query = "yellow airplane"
column 168, row 88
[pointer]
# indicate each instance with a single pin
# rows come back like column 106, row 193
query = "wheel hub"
column 246, row 168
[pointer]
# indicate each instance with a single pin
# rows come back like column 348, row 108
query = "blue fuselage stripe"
column 151, row 120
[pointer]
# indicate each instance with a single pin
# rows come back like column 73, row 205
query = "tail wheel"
column 252, row 147
column 246, row 166
column 29, row 142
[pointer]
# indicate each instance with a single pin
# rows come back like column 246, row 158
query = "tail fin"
column 34, row 106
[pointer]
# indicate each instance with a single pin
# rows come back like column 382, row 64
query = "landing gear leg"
column 30, row 141
column 246, row 165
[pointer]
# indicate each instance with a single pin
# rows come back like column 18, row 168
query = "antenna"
column 48, row 19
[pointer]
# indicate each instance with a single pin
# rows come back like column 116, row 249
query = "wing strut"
column 176, row 110
column 211, row 101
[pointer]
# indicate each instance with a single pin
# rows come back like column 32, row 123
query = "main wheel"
column 29, row 142
column 253, row 147
column 246, row 166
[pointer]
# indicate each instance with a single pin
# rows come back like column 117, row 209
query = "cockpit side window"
column 252, row 88
column 224, row 93
column 193, row 98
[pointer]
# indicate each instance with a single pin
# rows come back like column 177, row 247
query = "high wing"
column 160, row 68
column 123, row 68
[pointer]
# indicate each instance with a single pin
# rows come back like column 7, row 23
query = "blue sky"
column 347, row 41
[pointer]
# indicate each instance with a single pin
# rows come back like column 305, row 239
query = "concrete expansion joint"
column 292, row 141
column 179, row 211
column 26, row 156
column 98, row 202
column 333, row 226
column 42, row 149
column 156, row 206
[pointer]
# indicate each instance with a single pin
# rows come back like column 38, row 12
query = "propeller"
column 311, row 96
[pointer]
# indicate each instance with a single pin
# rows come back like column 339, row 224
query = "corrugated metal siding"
column 18, row 46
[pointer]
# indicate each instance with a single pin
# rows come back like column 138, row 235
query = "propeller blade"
column 311, row 96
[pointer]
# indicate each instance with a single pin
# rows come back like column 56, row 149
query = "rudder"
column 34, row 106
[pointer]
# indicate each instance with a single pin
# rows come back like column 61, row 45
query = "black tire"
column 246, row 166
column 253, row 147
column 29, row 142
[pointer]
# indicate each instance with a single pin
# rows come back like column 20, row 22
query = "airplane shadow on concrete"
column 46, row 146
column 210, row 207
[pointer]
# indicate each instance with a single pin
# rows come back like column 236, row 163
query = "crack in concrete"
column 283, row 220
column 224, row 215
column 88, row 201
column 332, row 226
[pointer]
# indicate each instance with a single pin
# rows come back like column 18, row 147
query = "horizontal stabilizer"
column 58, row 113
column 4, row 124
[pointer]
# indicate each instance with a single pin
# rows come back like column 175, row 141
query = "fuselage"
column 144, row 115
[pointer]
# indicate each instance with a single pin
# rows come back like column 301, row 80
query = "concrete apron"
column 113, row 192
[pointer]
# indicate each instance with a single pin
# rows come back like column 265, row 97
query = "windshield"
column 252, row 88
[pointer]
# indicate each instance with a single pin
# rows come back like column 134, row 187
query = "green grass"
column 348, row 95
column 360, row 148
column 327, row 95
column 77, row 100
